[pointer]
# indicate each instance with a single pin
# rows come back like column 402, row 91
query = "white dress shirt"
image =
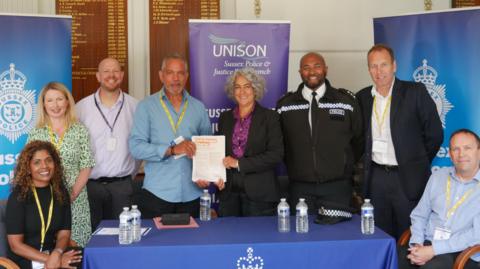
column 383, row 151
column 307, row 94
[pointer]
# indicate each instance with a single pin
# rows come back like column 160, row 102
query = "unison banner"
column 218, row 48
column 34, row 50
column 442, row 51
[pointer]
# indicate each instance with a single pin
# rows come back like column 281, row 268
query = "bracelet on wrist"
column 59, row 250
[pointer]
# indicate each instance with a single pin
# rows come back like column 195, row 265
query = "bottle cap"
column 367, row 200
column 134, row 206
column 205, row 191
column 125, row 209
column 302, row 199
column 283, row 199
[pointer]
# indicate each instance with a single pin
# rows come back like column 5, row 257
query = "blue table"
column 245, row 243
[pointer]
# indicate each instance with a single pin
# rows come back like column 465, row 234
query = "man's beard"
column 314, row 86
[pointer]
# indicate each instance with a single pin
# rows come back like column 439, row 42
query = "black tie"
column 313, row 111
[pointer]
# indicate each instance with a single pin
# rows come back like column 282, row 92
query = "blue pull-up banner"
column 33, row 51
column 441, row 50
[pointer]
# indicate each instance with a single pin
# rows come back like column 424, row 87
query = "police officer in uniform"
column 322, row 128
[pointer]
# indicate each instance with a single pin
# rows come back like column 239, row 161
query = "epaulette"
column 287, row 94
column 347, row 92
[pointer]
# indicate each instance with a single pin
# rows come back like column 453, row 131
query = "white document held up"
column 208, row 158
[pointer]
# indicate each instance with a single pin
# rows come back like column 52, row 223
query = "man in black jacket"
column 322, row 130
column 403, row 133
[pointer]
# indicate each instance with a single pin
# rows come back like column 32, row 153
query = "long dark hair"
column 22, row 180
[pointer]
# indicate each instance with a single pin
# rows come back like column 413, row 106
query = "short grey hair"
column 174, row 56
column 258, row 83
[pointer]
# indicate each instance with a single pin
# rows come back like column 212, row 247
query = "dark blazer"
column 416, row 134
column 263, row 152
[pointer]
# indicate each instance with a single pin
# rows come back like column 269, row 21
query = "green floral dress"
column 76, row 155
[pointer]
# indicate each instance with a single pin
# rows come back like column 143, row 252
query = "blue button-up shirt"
column 431, row 212
column 168, row 178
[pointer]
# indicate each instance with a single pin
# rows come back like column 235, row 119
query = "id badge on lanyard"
column 111, row 143
column 45, row 226
column 441, row 233
column 379, row 146
column 111, row 140
column 39, row 265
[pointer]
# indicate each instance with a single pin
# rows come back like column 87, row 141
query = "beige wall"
column 341, row 30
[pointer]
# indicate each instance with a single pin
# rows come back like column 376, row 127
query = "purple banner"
column 218, row 48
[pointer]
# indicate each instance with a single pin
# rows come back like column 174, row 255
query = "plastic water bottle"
column 205, row 202
column 136, row 224
column 302, row 216
column 283, row 211
column 125, row 228
column 368, row 220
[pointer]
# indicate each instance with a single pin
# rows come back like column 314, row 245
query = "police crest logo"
column 428, row 76
column 250, row 262
column 17, row 106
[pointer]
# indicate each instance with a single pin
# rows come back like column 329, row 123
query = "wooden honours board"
column 99, row 30
column 465, row 3
column 169, row 29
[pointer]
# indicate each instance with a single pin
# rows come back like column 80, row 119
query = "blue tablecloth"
column 245, row 243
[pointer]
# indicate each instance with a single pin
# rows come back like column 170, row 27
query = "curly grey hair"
column 258, row 83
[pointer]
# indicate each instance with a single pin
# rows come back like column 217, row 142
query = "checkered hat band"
column 335, row 213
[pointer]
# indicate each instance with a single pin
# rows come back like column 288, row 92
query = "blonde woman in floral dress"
column 58, row 124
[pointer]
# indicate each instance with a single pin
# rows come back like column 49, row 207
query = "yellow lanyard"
column 174, row 126
column 457, row 204
column 382, row 120
column 40, row 212
column 53, row 140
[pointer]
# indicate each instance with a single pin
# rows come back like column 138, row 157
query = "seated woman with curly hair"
column 38, row 217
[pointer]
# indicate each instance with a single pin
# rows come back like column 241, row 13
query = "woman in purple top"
column 254, row 146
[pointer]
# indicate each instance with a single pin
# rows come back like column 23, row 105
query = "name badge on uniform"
column 337, row 114
column 379, row 146
column 441, row 234
column 111, row 143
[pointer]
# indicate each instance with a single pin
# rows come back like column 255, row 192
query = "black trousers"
column 239, row 205
column 339, row 192
column 107, row 197
column 151, row 206
column 392, row 207
column 444, row 261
